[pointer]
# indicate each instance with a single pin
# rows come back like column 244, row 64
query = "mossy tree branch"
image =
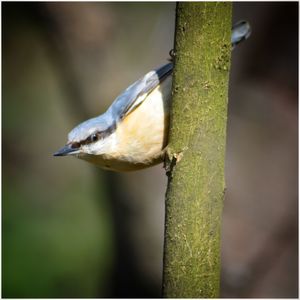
column 196, row 150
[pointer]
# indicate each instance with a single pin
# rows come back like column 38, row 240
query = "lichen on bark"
column 196, row 150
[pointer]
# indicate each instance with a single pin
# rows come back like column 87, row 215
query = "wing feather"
column 136, row 93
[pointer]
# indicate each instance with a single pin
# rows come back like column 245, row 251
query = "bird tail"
column 240, row 32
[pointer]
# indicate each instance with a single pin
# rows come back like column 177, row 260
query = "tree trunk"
column 196, row 150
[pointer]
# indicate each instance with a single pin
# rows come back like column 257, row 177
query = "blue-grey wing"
column 240, row 31
column 136, row 93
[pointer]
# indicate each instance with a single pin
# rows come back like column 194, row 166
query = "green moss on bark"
column 196, row 150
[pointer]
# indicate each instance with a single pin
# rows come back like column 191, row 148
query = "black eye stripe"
column 96, row 136
column 75, row 145
column 92, row 138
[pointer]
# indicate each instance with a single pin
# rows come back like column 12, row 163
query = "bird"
column 133, row 133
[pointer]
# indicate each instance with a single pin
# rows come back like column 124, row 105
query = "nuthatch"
column 133, row 133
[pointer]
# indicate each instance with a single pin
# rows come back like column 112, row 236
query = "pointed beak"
column 66, row 150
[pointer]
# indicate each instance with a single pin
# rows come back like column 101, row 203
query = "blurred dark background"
column 72, row 230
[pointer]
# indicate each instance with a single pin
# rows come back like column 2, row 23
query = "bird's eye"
column 94, row 137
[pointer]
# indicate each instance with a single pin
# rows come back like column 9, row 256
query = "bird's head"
column 91, row 137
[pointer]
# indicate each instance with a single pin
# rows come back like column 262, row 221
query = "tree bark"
column 196, row 151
